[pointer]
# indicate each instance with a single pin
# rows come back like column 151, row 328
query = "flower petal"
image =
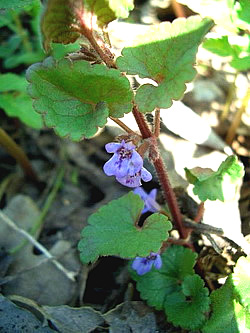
column 145, row 175
column 112, row 147
column 130, row 181
column 142, row 265
column 152, row 194
column 137, row 160
column 110, row 167
column 158, row 262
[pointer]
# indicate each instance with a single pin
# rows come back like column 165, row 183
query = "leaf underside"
column 112, row 230
column 76, row 98
column 165, row 54
column 60, row 21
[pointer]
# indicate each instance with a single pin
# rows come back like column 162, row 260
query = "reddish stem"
column 141, row 122
column 146, row 133
column 157, row 126
column 163, row 177
column 200, row 212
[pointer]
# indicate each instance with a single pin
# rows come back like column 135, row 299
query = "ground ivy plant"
column 78, row 93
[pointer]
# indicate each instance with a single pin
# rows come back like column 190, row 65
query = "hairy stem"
column 200, row 212
column 163, row 177
column 103, row 52
column 157, row 123
column 17, row 152
column 170, row 197
column 146, row 133
column 141, row 122
column 122, row 125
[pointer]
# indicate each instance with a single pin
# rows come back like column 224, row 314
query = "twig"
column 202, row 227
column 229, row 99
column 213, row 243
column 178, row 9
column 70, row 275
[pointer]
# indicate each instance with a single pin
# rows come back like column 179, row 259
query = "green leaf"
column 187, row 307
column 241, row 281
column 60, row 21
column 112, row 230
column 166, row 54
column 156, row 285
column 20, row 106
column 10, row 46
column 243, row 10
column 15, row 101
column 220, row 184
column 228, row 316
column 12, row 4
column 26, row 58
column 241, row 64
column 221, row 46
column 76, row 98
column 108, row 10
column 11, row 81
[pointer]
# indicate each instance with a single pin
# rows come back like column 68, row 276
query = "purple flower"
column 144, row 265
column 150, row 204
column 135, row 180
column 125, row 161
column 126, row 164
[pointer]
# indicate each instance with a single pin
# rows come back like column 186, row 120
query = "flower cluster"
column 126, row 164
column 150, row 204
column 144, row 265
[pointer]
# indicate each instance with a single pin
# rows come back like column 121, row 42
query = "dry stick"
column 202, row 227
column 237, row 119
column 17, row 152
column 157, row 124
column 70, row 275
column 229, row 99
column 178, row 9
